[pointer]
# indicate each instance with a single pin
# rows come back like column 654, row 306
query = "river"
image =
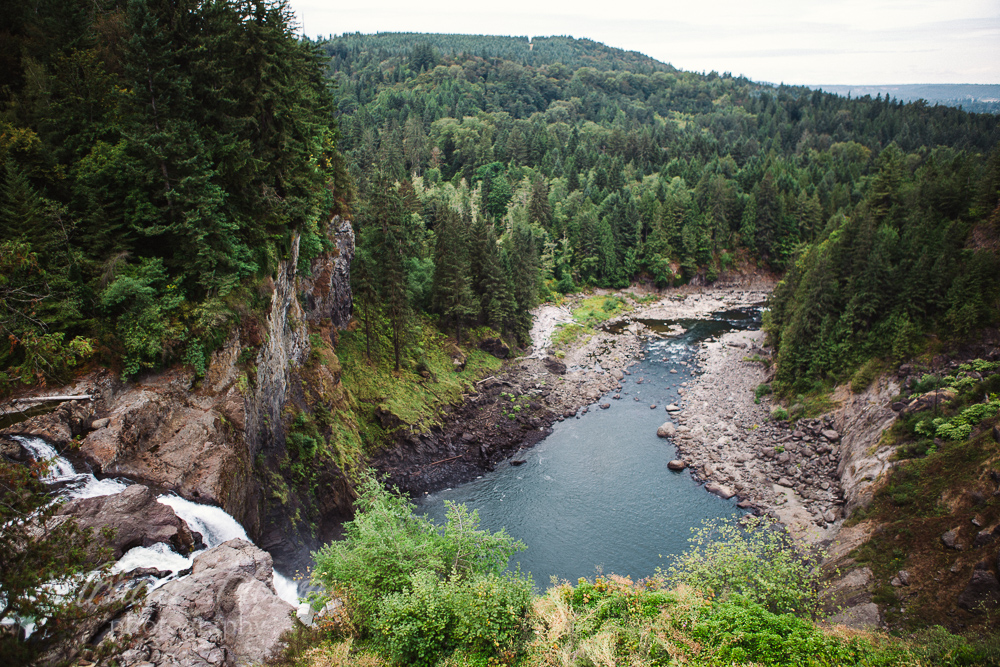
column 596, row 495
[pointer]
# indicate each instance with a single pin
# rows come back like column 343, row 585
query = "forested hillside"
column 156, row 159
column 583, row 165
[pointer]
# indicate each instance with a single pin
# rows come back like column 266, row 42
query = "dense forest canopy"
column 159, row 157
column 156, row 158
column 593, row 166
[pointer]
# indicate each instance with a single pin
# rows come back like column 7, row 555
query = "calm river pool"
column 596, row 495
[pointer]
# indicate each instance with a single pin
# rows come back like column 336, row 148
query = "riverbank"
column 729, row 438
column 560, row 377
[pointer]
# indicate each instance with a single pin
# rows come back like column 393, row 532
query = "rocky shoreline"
column 788, row 470
column 476, row 436
column 785, row 469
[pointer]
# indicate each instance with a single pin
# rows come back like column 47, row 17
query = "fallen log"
column 42, row 399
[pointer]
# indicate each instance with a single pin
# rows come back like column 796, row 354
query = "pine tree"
column 452, row 292
column 390, row 244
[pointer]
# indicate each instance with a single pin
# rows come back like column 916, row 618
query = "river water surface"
column 596, row 495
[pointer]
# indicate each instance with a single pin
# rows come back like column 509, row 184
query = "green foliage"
column 960, row 426
column 865, row 375
column 44, row 561
column 754, row 558
column 937, row 646
column 760, row 391
column 422, row 590
column 180, row 149
column 613, row 621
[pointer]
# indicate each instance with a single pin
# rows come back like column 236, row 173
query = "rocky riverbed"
column 515, row 408
column 786, row 469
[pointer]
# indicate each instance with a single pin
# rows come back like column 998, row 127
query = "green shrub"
column 760, row 391
column 423, row 591
column 937, row 646
column 753, row 557
column 779, row 414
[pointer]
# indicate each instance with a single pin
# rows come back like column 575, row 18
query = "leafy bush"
column 760, row 391
column 421, row 590
column 753, row 557
column 937, row 646
column 779, row 414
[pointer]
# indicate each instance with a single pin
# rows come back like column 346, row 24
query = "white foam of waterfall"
column 159, row 555
column 215, row 524
column 61, row 471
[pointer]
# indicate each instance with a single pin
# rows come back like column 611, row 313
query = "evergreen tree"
column 453, row 296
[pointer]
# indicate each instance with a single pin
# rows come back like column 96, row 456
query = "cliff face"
column 221, row 440
column 862, row 418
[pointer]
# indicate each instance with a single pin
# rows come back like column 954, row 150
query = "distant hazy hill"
column 970, row 96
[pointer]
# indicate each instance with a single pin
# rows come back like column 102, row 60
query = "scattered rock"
column 904, row 577
column 496, row 347
column 555, row 366
column 830, row 435
column 981, row 593
column 100, row 423
column 723, row 492
column 672, row 408
column 930, row 400
column 677, row 465
column 457, row 357
column 666, row 430
column 605, row 406
column 983, row 538
column 950, row 540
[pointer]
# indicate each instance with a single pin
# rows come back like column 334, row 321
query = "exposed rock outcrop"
column 860, row 420
column 136, row 519
column 206, row 440
column 225, row 613
column 328, row 287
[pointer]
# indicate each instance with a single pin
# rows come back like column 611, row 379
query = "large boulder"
column 863, row 616
column 225, row 613
column 982, row 593
column 666, row 430
column 720, row 490
column 496, row 347
column 555, row 366
column 930, row 400
column 135, row 519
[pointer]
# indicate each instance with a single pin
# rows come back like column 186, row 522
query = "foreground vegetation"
column 415, row 593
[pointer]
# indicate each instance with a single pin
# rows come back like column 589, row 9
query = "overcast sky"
column 790, row 41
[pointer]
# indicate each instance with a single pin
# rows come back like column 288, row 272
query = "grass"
column 613, row 621
column 596, row 309
column 566, row 335
column 386, row 401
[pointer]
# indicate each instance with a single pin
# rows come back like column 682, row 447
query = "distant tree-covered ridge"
column 595, row 166
column 154, row 157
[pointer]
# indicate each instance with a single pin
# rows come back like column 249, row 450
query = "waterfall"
column 215, row 524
